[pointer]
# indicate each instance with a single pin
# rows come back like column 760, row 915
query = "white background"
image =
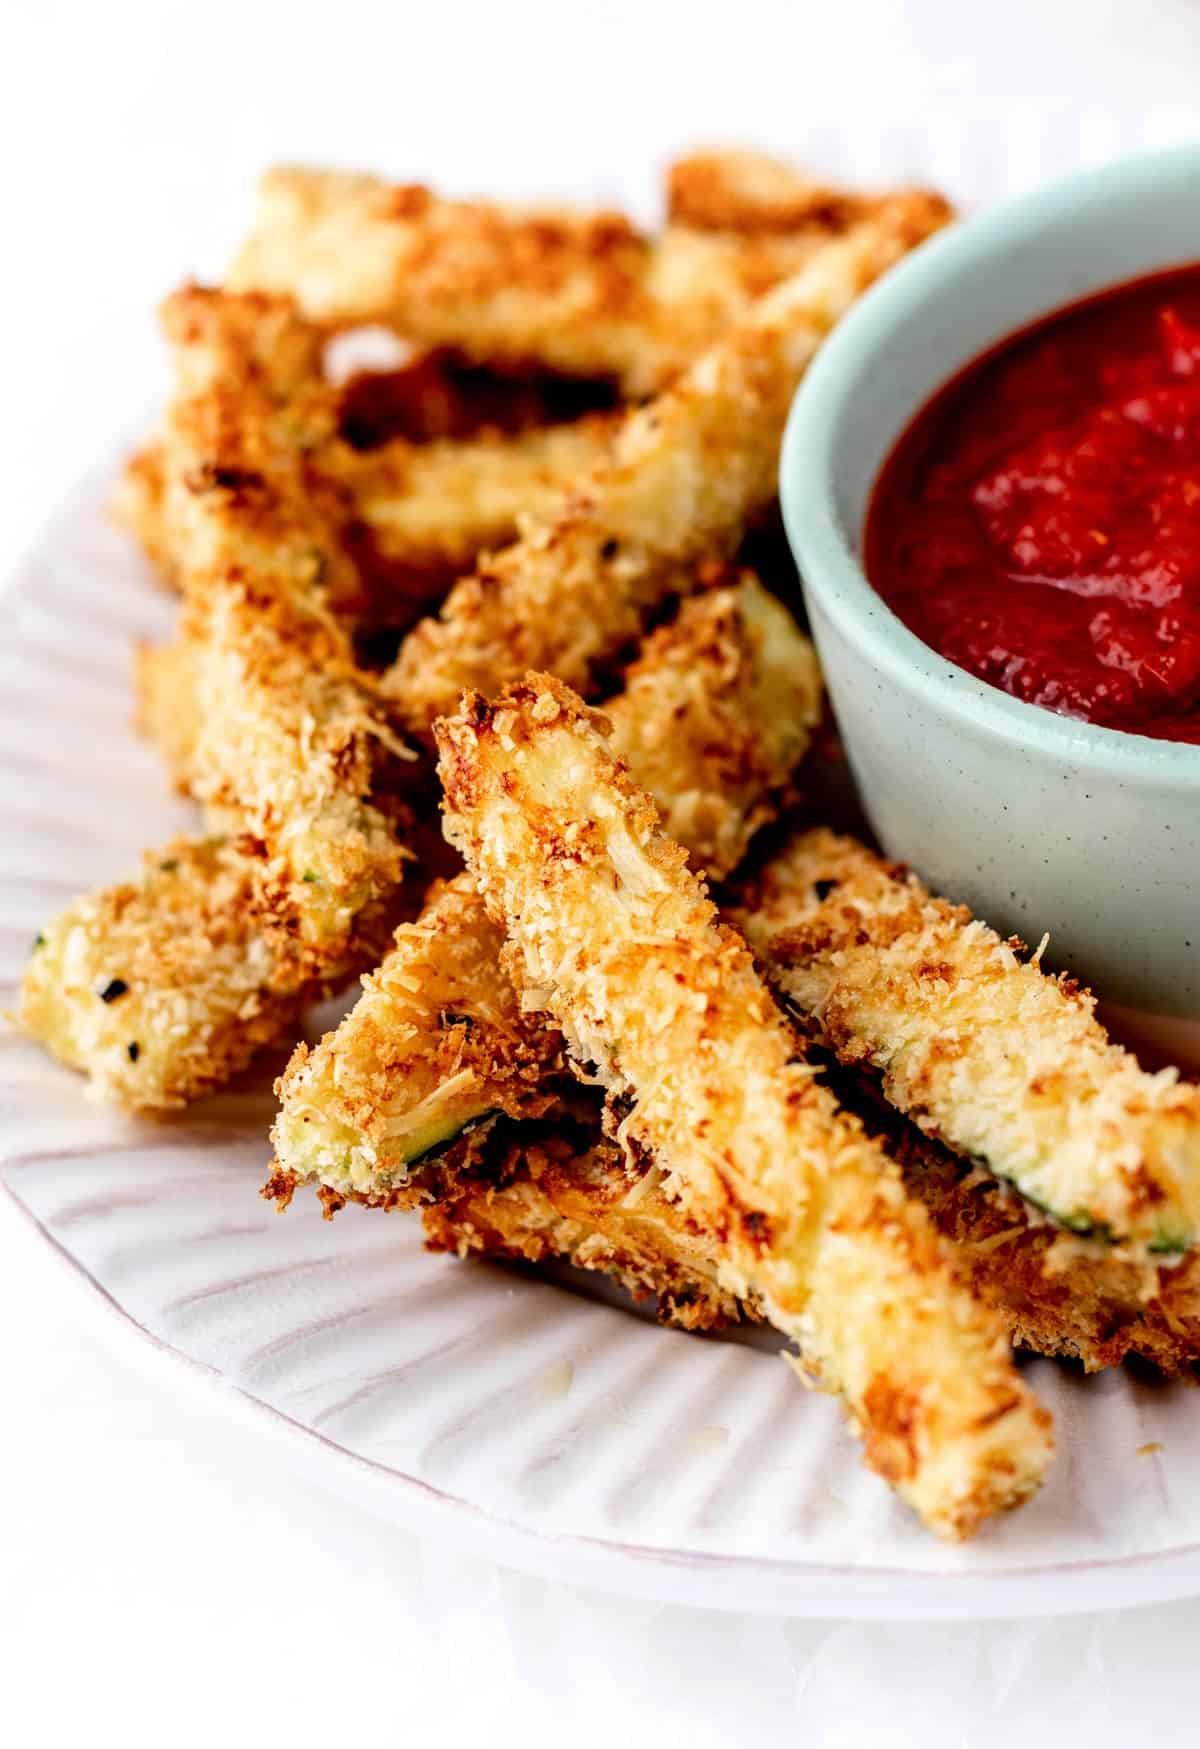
column 159, row 1580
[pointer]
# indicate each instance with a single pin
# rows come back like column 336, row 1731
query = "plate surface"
column 536, row 1421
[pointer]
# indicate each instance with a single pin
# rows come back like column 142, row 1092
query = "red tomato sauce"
column 1039, row 522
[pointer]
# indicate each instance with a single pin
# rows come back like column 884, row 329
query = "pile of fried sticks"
column 818, row 1095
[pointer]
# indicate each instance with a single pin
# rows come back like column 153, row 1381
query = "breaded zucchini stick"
column 611, row 933
column 434, row 507
column 734, row 189
column 582, row 293
column 688, row 473
column 429, row 509
column 239, row 434
column 293, row 752
column 592, row 1207
column 162, row 987
column 716, row 713
column 1008, row 1066
column 248, row 411
column 292, row 747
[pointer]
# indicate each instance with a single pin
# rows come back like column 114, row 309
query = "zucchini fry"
column 732, row 189
column 717, row 711
column 294, row 753
column 687, row 474
column 436, row 1046
column 582, row 293
column 432, row 508
column 428, row 509
column 1008, row 1066
column 162, row 987
column 292, row 748
column 715, row 715
column 616, row 939
column 593, row 1207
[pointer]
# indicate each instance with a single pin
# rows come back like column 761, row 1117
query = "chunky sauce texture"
column 1039, row 522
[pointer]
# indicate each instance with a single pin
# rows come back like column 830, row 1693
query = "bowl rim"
column 824, row 550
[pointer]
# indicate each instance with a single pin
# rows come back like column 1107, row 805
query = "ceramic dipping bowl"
column 1040, row 823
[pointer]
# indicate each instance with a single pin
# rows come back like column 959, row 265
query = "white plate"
column 537, row 1422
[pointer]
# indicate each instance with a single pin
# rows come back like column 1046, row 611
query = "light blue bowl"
column 1038, row 822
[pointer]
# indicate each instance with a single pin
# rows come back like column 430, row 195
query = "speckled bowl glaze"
column 1038, row 822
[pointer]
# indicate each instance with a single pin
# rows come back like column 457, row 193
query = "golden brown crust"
column 415, row 515
column 687, row 475
column 167, row 706
column 436, row 1043
column 292, row 747
column 611, row 934
column 733, row 189
column 582, row 293
column 598, row 1209
column 1058, row 1295
column 163, row 986
column 434, row 507
column 1007, row 1065
column 292, row 751
column 589, row 1206
column 715, row 715
column 295, row 752
column 139, row 505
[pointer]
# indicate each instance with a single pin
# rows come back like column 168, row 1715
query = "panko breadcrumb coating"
column 717, row 711
column 163, row 986
column 688, row 473
column 582, row 293
column 419, row 514
column 292, row 750
column 735, row 189
column 1058, row 1295
column 238, row 439
column 401, row 1076
column 1008, row 1066
column 611, row 934
column 580, row 1199
column 434, row 507
column 139, row 505
column 585, row 1203
column 715, row 715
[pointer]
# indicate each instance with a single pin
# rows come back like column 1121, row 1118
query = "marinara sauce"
column 1039, row 521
